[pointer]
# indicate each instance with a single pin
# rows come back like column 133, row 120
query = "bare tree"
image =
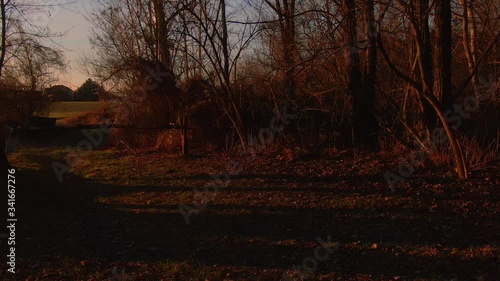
column 35, row 66
column 418, row 15
column 480, row 22
column 4, row 162
column 443, row 53
column 18, row 33
column 285, row 11
column 3, row 51
column 362, row 81
column 469, row 38
column 222, row 51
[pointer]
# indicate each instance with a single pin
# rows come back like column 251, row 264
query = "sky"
column 70, row 19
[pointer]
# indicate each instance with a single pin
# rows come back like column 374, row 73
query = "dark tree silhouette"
column 88, row 91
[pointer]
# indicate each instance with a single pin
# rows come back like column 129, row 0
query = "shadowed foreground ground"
column 116, row 217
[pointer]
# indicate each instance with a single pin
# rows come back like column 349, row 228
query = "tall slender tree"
column 362, row 84
column 285, row 11
column 426, row 86
column 442, row 54
column 21, row 49
column 4, row 162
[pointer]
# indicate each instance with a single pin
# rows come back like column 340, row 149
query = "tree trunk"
column 458, row 155
column 4, row 162
column 3, row 40
column 442, row 82
column 289, row 47
column 421, row 34
column 355, row 77
column 225, row 45
column 425, row 60
column 367, row 122
column 442, row 54
column 469, row 40
column 184, row 135
column 233, row 108
column 163, row 46
column 285, row 10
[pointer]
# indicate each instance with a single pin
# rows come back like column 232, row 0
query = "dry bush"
column 441, row 157
column 390, row 145
column 481, row 153
column 17, row 105
column 133, row 138
column 150, row 106
column 199, row 106
column 148, row 118
column 168, row 141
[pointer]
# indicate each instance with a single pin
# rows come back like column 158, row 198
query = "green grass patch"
column 68, row 109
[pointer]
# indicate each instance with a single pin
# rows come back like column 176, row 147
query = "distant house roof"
column 60, row 93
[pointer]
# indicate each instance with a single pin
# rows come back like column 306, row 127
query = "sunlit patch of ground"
column 68, row 109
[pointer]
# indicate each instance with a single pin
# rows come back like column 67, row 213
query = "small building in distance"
column 59, row 93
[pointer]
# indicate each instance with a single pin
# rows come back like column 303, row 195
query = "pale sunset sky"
column 71, row 19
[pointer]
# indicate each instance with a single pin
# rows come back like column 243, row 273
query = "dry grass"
column 481, row 154
column 69, row 109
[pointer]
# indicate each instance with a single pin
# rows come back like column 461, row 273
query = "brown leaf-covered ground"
column 116, row 217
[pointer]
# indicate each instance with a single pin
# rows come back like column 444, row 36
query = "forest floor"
column 116, row 216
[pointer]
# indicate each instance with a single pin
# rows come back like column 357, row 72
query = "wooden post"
column 184, row 136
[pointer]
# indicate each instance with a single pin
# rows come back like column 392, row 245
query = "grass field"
column 68, row 109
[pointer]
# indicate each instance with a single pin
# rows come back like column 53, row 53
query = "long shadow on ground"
column 60, row 221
